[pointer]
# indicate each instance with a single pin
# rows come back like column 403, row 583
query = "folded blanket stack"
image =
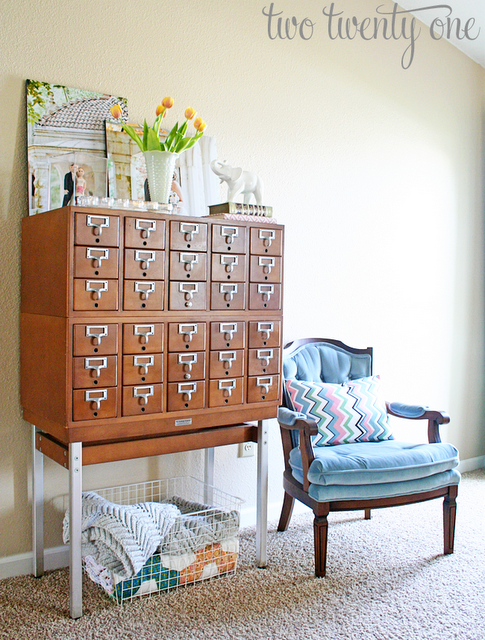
column 122, row 538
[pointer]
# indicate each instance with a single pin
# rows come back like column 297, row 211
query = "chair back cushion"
column 345, row 413
column 325, row 362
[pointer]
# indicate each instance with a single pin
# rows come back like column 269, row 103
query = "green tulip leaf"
column 145, row 135
column 153, row 141
column 133, row 135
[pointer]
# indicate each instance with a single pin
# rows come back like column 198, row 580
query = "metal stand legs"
column 262, row 495
column 37, row 508
column 75, row 505
column 75, row 510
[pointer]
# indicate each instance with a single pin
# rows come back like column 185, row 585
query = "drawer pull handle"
column 227, row 387
column 98, row 223
column 267, row 236
column 96, row 397
column 188, row 289
column 227, row 357
column 229, row 233
column 95, row 364
column 264, row 354
column 144, row 289
column 266, row 263
column 145, row 226
column 96, row 333
column 266, row 290
column 187, row 360
column 229, row 291
column 96, row 287
column 145, row 257
column 265, row 328
column 265, row 384
column 187, row 330
column 189, row 259
column 143, row 362
column 144, row 331
column 187, row 389
column 189, row 230
column 143, row 393
column 229, row 262
column 228, row 329
column 97, row 255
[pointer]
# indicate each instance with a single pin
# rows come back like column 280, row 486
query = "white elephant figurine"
column 239, row 182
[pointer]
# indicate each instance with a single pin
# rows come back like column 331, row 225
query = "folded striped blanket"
column 123, row 537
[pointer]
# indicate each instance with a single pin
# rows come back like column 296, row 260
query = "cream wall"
column 376, row 172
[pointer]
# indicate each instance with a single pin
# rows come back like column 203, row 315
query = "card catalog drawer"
column 228, row 295
column 142, row 399
column 188, row 265
column 94, row 229
column 265, row 296
column 263, row 361
column 186, row 366
column 228, row 267
column 267, row 242
column 187, row 296
column 96, row 294
column 226, row 392
column 95, row 262
column 94, row 371
column 145, row 233
column 263, row 388
column 144, row 263
column 143, row 368
column 227, row 335
column 265, row 269
column 144, row 295
column 264, row 334
column 227, row 363
column 188, row 236
column 186, row 336
column 88, row 404
column 183, row 396
column 91, row 339
column 143, row 337
column 229, row 238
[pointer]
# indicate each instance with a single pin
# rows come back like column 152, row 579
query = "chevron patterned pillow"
column 345, row 413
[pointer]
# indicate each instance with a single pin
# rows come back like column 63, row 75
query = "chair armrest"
column 290, row 421
column 417, row 412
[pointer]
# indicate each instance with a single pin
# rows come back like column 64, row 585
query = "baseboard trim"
column 58, row 557
column 22, row 564
column 471, row 464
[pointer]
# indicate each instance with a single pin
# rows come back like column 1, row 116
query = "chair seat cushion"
column 377, row 469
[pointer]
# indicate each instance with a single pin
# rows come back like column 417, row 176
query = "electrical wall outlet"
column 246, row 449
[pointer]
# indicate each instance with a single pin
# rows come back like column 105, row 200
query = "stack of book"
column 240, row 211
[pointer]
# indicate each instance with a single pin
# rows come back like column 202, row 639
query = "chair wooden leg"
column 320, row 530
column 367, row 514
column 286, row 511
column 449, row 518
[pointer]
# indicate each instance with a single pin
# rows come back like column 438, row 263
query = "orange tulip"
column 167, row 102
column 190, row 113
column 116, row 111
column 199, row 124
column 160, row 109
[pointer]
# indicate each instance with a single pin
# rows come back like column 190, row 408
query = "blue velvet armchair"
column 340, row 454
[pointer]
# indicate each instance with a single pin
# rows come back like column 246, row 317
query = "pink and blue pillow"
column 345, row 413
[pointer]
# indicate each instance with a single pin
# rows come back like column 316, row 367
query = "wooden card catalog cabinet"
column 136, row 324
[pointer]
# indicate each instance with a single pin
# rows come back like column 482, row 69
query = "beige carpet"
column 386, row 579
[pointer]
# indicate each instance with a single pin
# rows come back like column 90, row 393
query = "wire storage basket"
column 191, row 527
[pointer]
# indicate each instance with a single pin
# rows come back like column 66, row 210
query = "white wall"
column 376, row 171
